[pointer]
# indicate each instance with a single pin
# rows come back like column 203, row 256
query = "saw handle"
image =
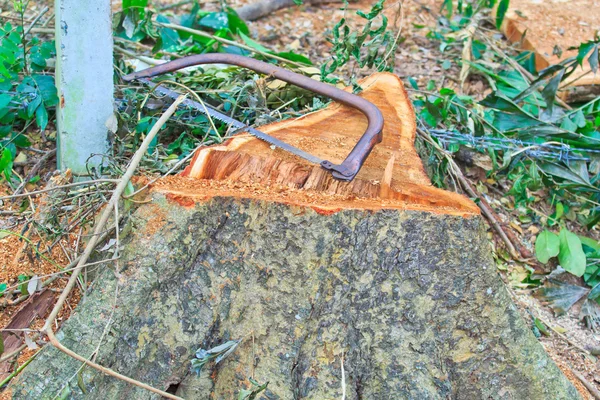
column 348, row 169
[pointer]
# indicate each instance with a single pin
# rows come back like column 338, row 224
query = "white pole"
column 84, row 79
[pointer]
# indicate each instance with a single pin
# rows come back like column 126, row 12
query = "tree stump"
column 380, row 288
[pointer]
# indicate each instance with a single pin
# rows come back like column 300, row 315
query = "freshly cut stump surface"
column 381, row 288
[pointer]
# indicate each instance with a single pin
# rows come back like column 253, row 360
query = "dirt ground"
column 302, row 29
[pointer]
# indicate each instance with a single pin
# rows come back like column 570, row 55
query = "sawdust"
column 576, row 382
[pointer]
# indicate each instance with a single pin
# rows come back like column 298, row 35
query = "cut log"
column 383, row 287
column 550, row 27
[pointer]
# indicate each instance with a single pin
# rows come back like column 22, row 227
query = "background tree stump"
column 385, row 275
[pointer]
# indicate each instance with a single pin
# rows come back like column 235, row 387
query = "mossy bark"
column 410, row 301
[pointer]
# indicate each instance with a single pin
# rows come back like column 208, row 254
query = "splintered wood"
column 392, row 177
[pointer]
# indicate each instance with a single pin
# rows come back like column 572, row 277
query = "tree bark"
column 386, row 276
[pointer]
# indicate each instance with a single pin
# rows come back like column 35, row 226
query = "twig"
column 35, row 169
column 179, row 164
column 48, row 31
column 37, row 18
column 228, row 42
column 12, row 290
column 146, row 47
column 59, row 187
column 198, row 99
column 47, row 329
column 563, row 337
column 145, row 59
column 12, row 354
column 591, row 388
column 18, row 370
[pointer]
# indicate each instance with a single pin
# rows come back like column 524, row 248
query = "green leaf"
column 41, row 117
column 134, row 3
column 6, row 163
column 215, row 20
column 236, row 24
column 23, row 289
column 549, row 91
column 253, row 44
column 547, row 245
column 290, row 55
column 579, row 119
column 563, row 173
column 540, row 325
column 589, row 242
column 501, row 12
column 5, row 100
column 571, row 255
column 595, row 292
column 584, row 49
column 413, row 83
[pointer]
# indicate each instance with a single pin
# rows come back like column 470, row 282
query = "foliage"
column 26, row 94
column 524, row 110
column 369, row 47
column 567, row 246
column 239, row 92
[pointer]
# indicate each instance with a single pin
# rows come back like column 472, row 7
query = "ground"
column 301, row 28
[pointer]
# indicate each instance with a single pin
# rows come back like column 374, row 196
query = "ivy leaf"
column 547, row 245
column 571, row 255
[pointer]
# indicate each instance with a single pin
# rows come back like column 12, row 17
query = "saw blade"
column 240, row 126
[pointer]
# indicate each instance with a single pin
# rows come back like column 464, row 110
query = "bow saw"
column 345, row 171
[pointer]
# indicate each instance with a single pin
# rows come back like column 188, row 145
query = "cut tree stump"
column 380, row 288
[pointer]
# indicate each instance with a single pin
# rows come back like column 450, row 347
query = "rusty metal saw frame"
column 345, row 171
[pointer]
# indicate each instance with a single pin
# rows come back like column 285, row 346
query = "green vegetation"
column 27, row 91
column 538, row 146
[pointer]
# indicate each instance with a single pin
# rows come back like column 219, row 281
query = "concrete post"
column 84, row 79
